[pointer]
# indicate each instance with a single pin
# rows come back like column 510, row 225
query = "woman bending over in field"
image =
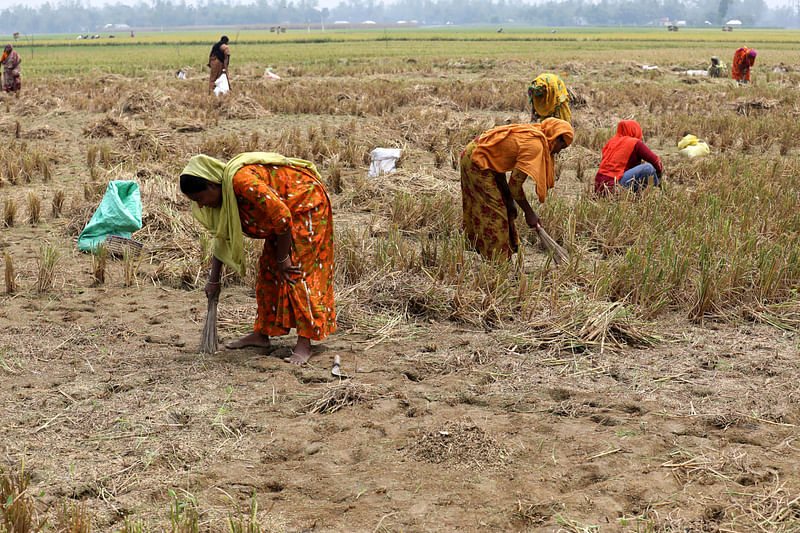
column 283, row 201
column 622, row 161
column 488, row 199
column 548, row 97
column 743, row 60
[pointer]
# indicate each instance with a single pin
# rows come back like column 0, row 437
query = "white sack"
column 383, row 161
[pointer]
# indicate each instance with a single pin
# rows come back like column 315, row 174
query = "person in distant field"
column 268, row 196
column 717, row 68
column 12, row 70
column 489, row 213
column 627, row 162
column 218, row 61
column 743, row 61
column 548, row 97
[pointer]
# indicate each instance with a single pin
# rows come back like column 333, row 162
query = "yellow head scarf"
column 549, row 97
column 223, row 222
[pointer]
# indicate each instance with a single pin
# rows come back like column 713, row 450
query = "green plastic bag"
column 119, row 213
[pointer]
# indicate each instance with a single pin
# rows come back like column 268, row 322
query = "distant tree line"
column 74, row 16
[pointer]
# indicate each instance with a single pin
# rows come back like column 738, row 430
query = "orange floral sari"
column 273, row 200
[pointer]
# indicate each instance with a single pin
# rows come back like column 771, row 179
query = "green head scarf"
column 223, row 222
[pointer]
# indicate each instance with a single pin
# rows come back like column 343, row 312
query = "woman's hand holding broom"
column 212, row 287
column 209, row 342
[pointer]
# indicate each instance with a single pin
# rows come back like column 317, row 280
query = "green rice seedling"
column 184, row 515
column 9, row 212
column 248, row 523
column 58, row 203
column 99, row 260
column 73, row 519
column 34, row 208
column 11, row 281
column 17, row 506
column 130, row 525
column 46, row 265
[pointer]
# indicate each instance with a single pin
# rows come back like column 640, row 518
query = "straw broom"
column 559, row 253
column 209, row 341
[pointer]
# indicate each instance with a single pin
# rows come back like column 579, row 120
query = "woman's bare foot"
column 254, row 339
column 301, row 353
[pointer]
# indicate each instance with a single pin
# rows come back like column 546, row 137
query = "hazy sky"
column 322, row 3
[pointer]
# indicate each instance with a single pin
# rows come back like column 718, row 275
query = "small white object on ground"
column 383, row 161
column 696, row 73
column 649, row 67
column 271, row 75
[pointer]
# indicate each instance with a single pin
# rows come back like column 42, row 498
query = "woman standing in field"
column 488, row 199
column 622, row 161
column 548, row 97
column 743, row 60
column 12, row 71
column 283, row 201
column 218, row 61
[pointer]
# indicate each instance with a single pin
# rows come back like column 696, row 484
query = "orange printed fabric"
column 485, row 218
column 273, row 200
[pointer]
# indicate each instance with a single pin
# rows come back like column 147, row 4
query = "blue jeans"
column 636, row 178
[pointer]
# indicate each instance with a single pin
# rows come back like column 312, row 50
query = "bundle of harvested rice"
column 559, row 253
column 210, row 341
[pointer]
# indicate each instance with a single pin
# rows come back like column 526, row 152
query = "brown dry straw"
column 559, row 253
column 11, row 286
column 210, row 340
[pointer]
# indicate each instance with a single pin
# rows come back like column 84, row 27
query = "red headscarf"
column 617, row 151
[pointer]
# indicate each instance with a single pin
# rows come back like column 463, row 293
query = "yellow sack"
column 691, row 147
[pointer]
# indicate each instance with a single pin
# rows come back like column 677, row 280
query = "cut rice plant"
column 34, row 208
column 58, row 203
column 28, row 167
column 9, row 212
column 99, row 260
column 12, row 171
column 335, row 176
column 11, row 281
column 46, row 265
column 73, row 518
column 131, row 260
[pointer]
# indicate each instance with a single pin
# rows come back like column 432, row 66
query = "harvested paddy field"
column 648, row 385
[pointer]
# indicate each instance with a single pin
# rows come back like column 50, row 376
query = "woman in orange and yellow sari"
column 488, row 199
column 283, row 201
column 548, row 97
